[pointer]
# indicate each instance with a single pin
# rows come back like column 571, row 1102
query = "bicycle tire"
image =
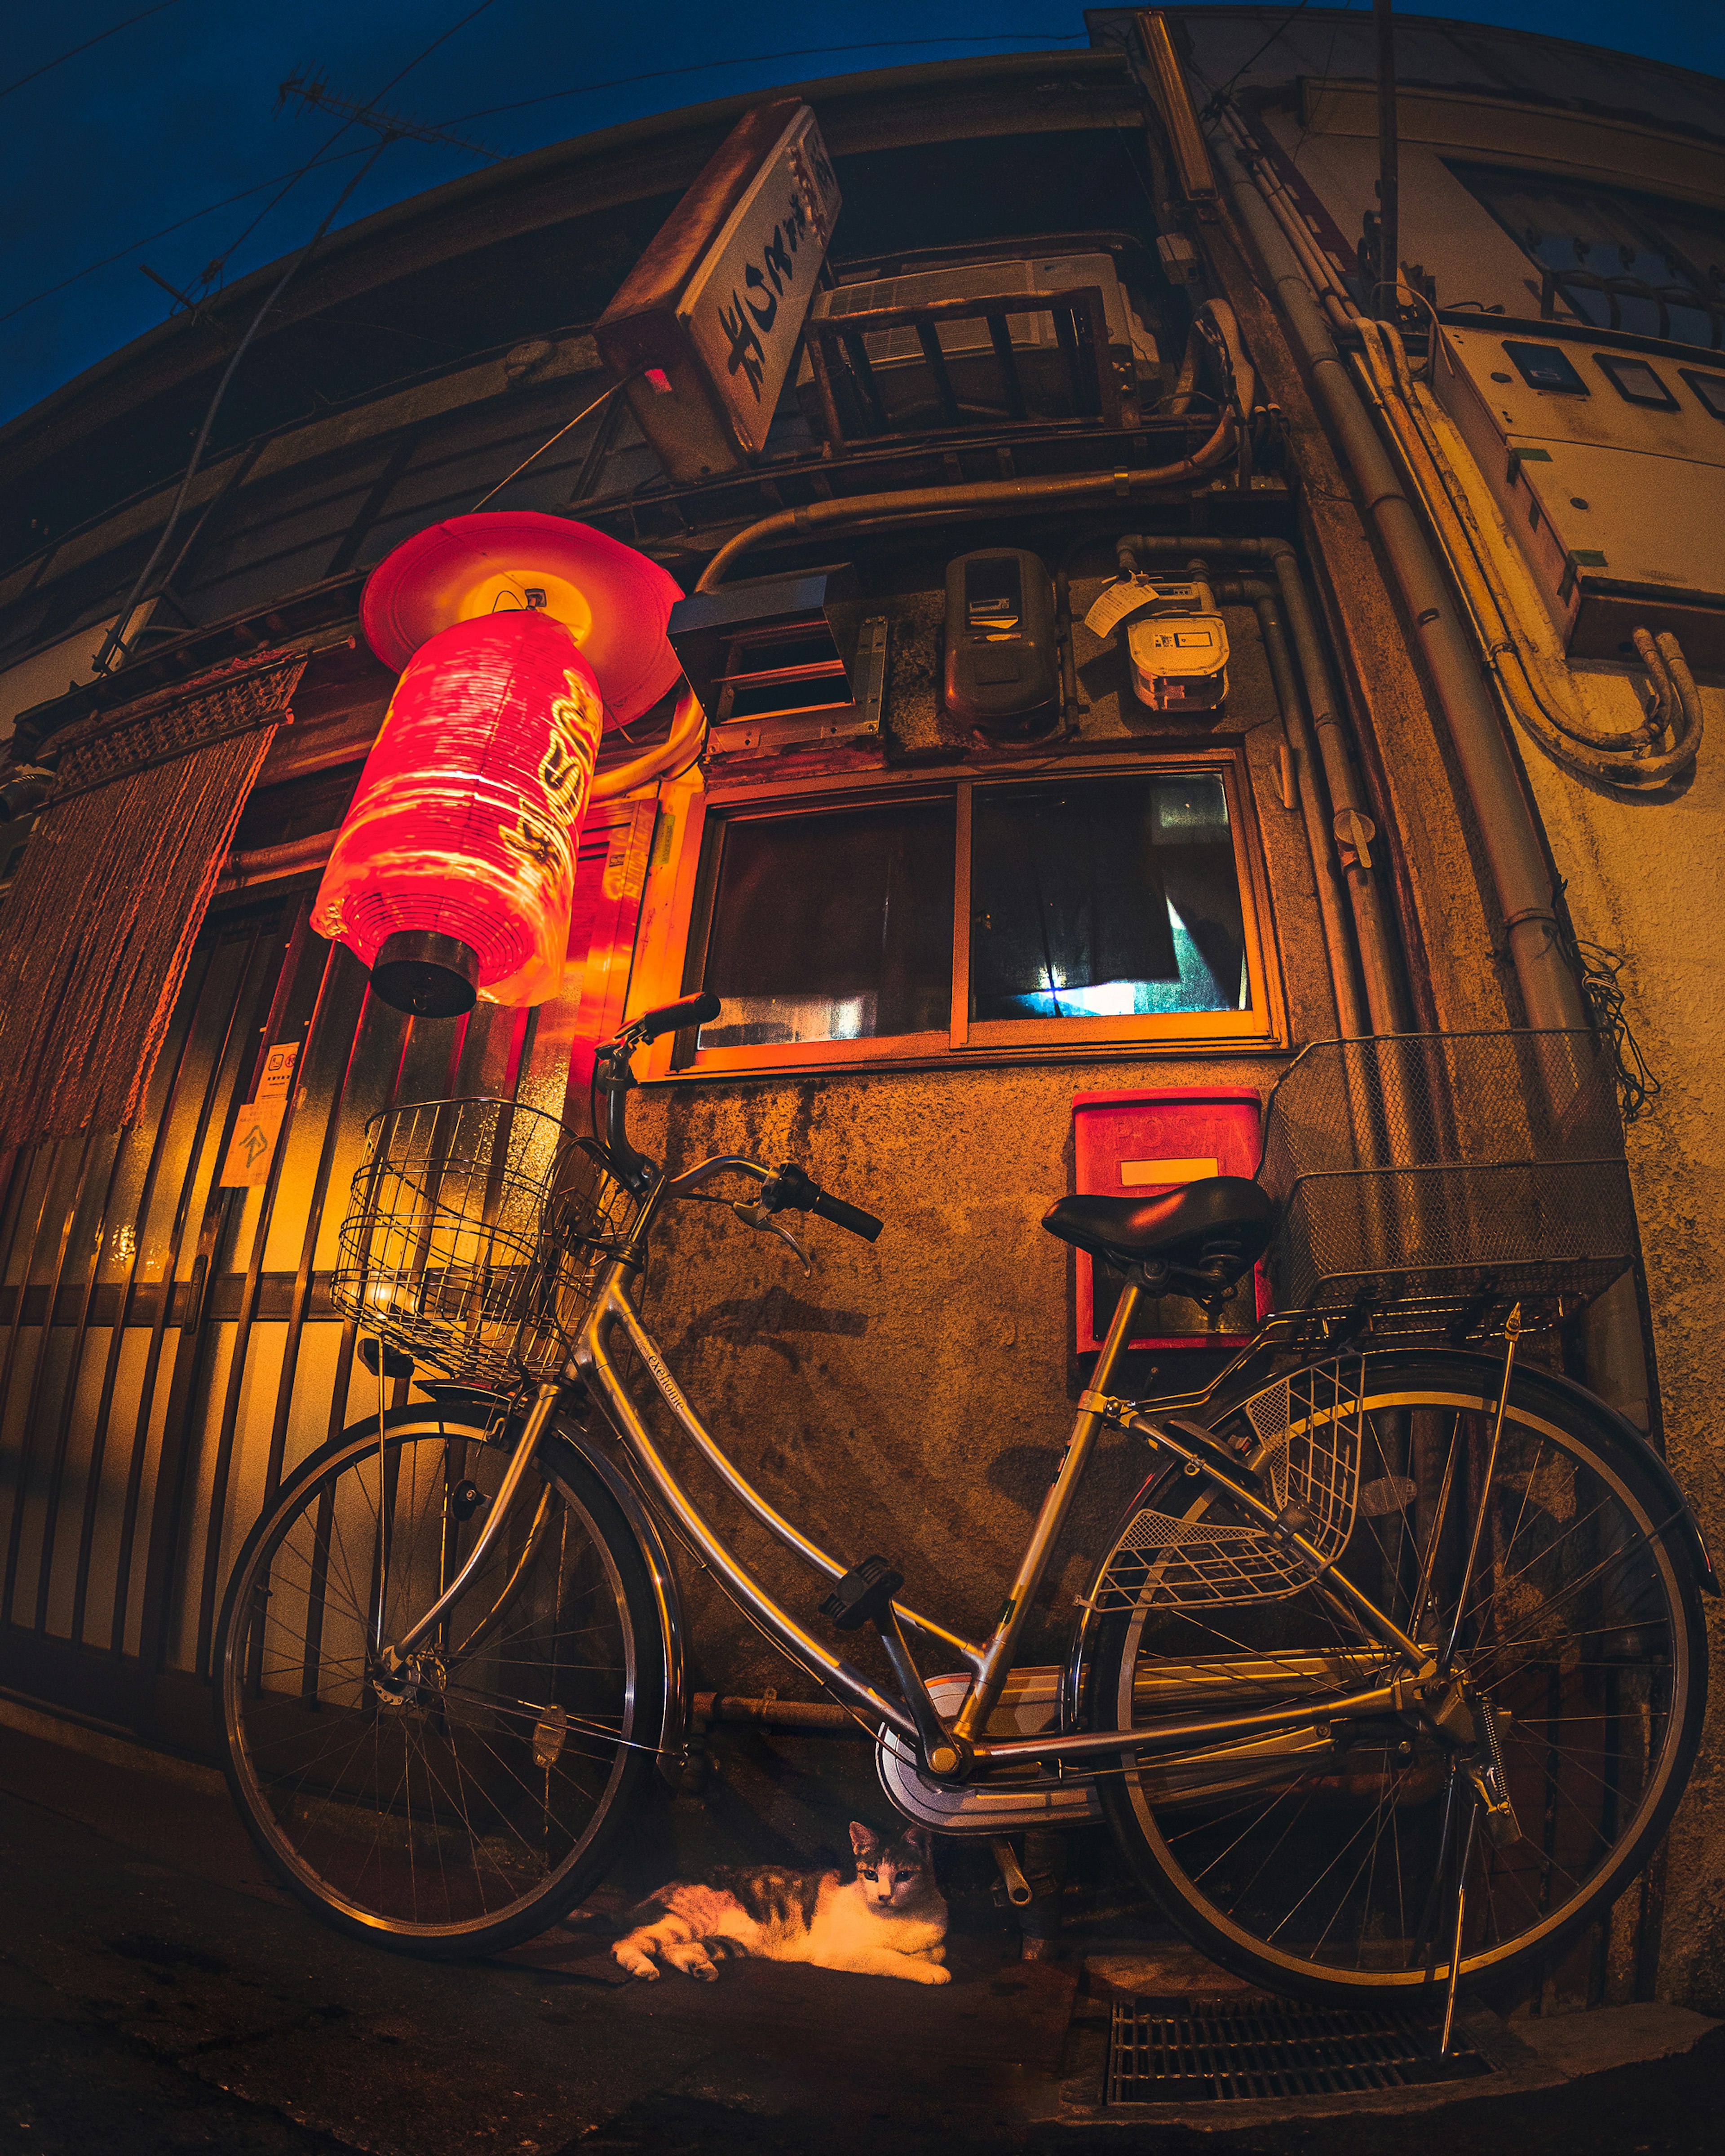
column 1583, row 1624
column 472, row 1818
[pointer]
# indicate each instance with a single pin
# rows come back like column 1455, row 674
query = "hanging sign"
column 704, row 329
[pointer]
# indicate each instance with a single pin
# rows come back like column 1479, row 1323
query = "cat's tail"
column 670, row 1938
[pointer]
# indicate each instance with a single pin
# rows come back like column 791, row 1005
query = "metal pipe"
column 609, row 1389
column 1331, row 292
column 918, row 505
column 771, row 1713
column 680, row 744
column 1386, row 998
column 1549, row 994
column 1338, row 943
column 1389, row 246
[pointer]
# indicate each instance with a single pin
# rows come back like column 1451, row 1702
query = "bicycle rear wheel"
column 470, row 1812
column 1329, row 1867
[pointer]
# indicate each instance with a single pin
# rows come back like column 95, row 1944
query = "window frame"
column 685, row 927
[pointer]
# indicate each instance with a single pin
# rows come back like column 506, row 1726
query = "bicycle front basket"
column 1447, row 1164
column 443, row 1251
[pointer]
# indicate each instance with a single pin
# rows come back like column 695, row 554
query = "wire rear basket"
column 1463, row 1164
column 474, row 1233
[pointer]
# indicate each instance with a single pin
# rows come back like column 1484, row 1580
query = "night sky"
column 155, row 126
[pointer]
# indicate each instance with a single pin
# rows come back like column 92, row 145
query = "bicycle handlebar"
column 675, row 1018
column 791, row 1186
column 788, row 1188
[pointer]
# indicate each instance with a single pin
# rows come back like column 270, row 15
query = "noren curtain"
column 98, row 928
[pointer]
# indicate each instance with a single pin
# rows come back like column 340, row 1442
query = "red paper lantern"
column 521, row 637
column 463, row 828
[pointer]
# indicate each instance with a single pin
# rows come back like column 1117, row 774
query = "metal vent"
column 1164, row 2051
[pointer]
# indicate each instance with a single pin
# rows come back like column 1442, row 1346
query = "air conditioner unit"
column 899, row 365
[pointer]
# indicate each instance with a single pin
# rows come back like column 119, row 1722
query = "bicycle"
column 1390, row 1677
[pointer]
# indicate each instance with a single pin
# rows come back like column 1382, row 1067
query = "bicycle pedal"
column 863, row 1596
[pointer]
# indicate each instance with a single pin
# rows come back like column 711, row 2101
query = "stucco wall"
column 1647, row 880
column 912, row 1397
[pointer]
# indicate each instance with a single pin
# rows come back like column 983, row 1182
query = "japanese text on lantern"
column 565, row 772
column 744, row 307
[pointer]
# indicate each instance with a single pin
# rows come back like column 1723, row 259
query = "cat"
column 889, row 1920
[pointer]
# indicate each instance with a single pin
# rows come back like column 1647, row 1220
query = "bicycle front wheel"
column 1327, row 1862
column 466, row 1810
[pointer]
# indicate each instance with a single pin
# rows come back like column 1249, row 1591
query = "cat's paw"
column 932, row 1973
column 635, row 1961
column 694, row 1960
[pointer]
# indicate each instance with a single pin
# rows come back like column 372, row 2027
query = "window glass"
column 1612, row 257
column 1112, row 898
column 832, row 926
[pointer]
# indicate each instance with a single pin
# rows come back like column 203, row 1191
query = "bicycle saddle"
column 1222, row 1217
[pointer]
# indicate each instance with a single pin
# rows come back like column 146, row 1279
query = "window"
column 1106, row 910
column 1617, row 259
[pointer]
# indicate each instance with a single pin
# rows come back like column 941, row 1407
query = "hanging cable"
column 114, row 641
column 545, row 445
column 104, row 660
column 72, row 52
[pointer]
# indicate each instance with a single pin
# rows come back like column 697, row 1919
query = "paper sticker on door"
column 255, row 1135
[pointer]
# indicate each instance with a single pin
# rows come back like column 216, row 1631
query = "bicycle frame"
column 990, row 1661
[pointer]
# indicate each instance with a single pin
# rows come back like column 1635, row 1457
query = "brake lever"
column 758, row 1217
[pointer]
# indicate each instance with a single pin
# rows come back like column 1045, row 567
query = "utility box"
column 1606, row 452
column 1142, row 1144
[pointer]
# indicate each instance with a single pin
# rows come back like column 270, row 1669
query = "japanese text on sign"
column 744, row 307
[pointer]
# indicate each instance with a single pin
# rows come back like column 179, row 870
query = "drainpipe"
column 1351, row 1018
column 1353, row 831
column 1549, row 994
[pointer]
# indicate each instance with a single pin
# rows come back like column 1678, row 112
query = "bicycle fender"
column 1489, row 1375
column 1489, row 1371
column 667, row 1600
column 1635, row 1440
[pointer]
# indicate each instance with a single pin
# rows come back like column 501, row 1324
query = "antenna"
column 314, row 91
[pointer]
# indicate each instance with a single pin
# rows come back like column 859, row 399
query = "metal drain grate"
column 1168, row 2051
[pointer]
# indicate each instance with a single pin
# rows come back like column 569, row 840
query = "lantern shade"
column 613, row 601
column 465, row 819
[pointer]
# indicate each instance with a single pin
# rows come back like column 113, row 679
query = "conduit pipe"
column 879, row 512
column 1353, row 1018
column 928, row 504
column 1509, row 617
column 1284, row 207
column 680, row 746
column 1550, row 995
column 1386, row 998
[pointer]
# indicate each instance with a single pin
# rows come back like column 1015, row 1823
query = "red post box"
column 1140, row 1144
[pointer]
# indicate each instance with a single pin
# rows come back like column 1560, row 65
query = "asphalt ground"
column 157, row 1994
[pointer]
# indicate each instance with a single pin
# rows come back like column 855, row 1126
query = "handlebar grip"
column 675, row 1018
column 850, row 1217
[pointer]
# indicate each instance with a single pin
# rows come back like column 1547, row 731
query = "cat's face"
column 892, row 1873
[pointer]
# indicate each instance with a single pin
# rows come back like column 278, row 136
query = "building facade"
column 949, row 911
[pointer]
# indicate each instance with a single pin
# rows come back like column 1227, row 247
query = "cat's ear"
column 864, row 1839
column 921, row 1840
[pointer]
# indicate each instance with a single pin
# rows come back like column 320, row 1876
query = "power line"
column 114, row 641
column 757, row 59
column 113, row 644
column 262, row 187
column 315, row 93
column 227, row 202
column 220, row 263
column 48, row 66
